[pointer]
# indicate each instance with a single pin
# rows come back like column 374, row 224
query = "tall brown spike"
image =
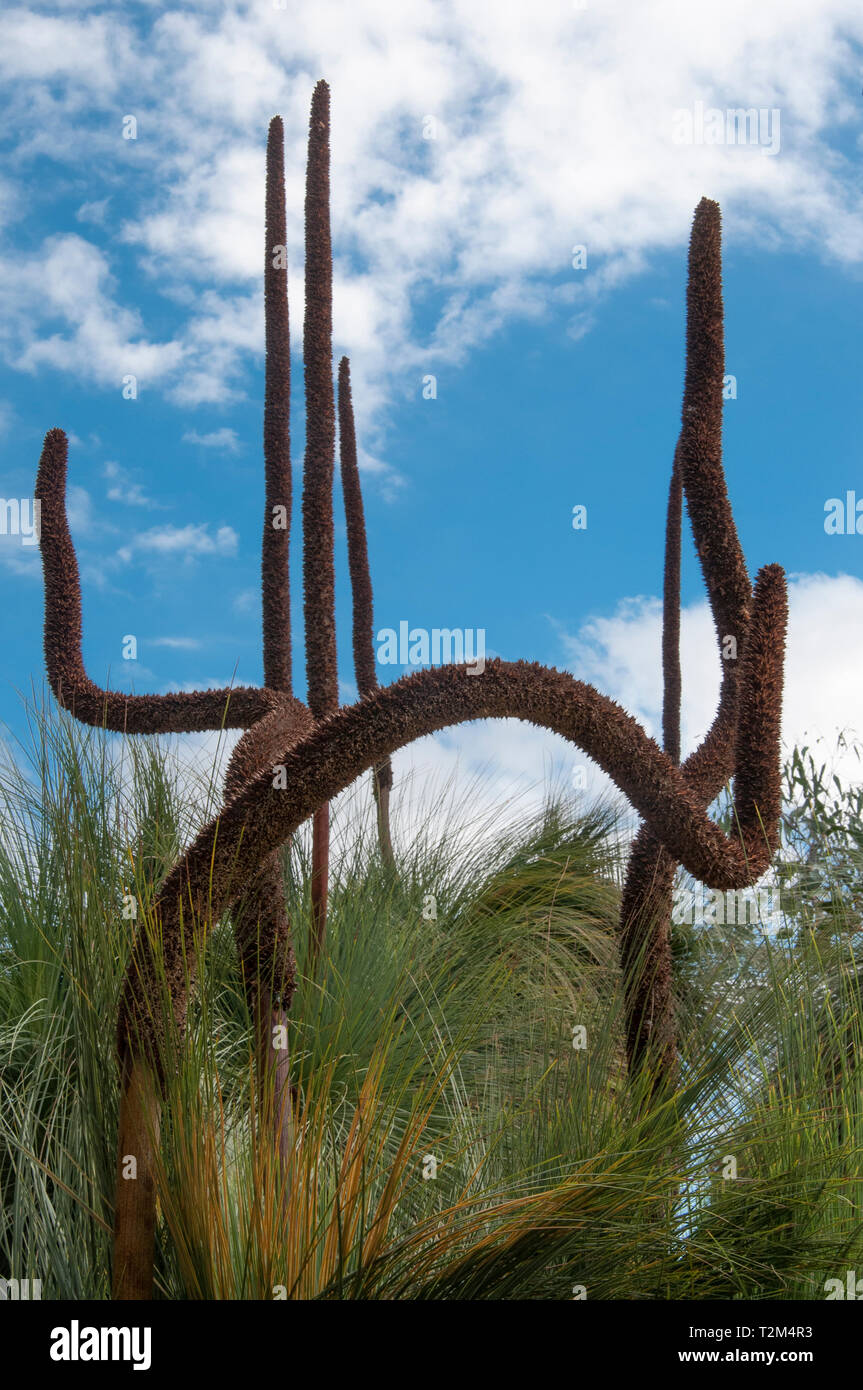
column 358, row 558
column 672, row 684
column 700, row 446
column 261, row 926
column 361, row 591
column 277, row 424
column 645, row 916
column 318, row 561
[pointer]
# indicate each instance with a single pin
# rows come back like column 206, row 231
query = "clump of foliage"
column 417, row 1038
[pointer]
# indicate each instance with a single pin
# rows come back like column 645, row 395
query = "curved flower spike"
column 184, row 712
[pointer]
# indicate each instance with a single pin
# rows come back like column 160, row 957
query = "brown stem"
column 320, row 877
column 645, row 942
column 274, row 1073
column 645, row 955
column 135, row 1202
column 383, row 781
column 263, row 937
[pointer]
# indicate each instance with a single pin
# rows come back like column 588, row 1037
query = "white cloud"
column 246, row 600
column 11, row 202
column 79, row 510
column 69, row 281
column 19, row 558
column 389, row 479
column 82, row 50
column 554, row 127
column 190, row 644
column 208, row 683
column 130, row 493
column 224, row 439
column 93, row 212
column 186, row 542
column 124, row 489
column 130, row 675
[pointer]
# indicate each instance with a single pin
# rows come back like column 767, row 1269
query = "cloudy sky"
column 475, row 147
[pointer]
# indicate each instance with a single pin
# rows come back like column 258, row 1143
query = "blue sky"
column 555, row 386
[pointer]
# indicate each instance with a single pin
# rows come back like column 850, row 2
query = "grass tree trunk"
column 383, row 783
column 135, row 1198
column 320, row 880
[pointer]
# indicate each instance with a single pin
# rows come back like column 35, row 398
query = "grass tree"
column 232, row 864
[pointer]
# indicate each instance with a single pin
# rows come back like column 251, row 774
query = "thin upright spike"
column 318, row 563
column 358, row 557
column 261, row 927
column 318, row 566
column 361, row 593
column 700, row 446
column 277, row 425
column 671, row 677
